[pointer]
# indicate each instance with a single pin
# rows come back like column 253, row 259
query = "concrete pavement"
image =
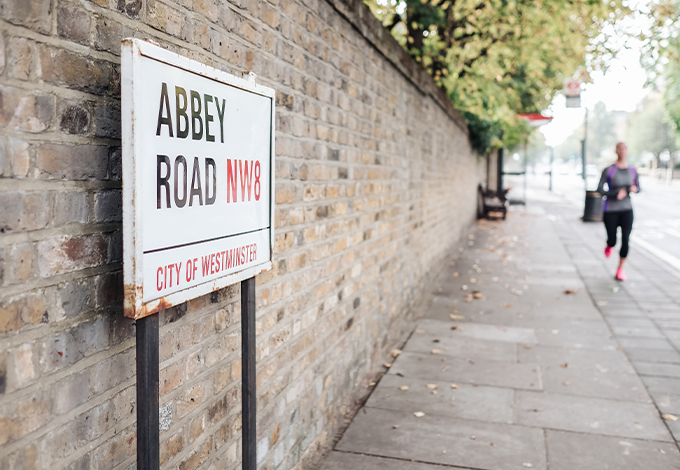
column 530, row 355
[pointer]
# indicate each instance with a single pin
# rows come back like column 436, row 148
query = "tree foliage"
column 497, row 58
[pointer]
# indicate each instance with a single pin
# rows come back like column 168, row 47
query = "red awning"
column 535, row 119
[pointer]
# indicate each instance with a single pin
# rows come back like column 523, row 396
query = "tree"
column 497, row 58
column 651, row 130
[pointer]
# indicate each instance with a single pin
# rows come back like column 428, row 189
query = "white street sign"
column 198, row 186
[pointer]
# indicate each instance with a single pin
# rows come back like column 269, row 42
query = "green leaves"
column 497, row 58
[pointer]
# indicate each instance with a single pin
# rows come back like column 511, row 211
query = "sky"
column 621, row 88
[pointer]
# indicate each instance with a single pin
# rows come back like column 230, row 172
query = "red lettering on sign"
column 205, row 260
column 159, row 285
column 231, row 181
column 246, row 178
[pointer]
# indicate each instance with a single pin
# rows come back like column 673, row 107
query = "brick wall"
column 375, row 181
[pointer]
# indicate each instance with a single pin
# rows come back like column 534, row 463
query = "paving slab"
column 590, row 415
column 478, row 371
column 501, row 333
column 653, row 355
column 658, row 369
column 580, row 372
column 571, row 451
column 467, row 443
column 662, row 384
column 431, row 335
column 483, row 403
column 642, row 343
column 349, row 461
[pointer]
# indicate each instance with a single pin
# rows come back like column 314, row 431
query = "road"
column 657, row 212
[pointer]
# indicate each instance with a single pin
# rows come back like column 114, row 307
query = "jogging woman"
column 621, row 181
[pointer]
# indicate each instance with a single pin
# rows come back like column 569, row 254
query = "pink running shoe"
column 620, row 275
column 608, row 251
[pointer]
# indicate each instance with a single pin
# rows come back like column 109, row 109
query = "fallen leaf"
column 564, row 364
column 454, row 327
column 456, row 274
column 566, row 383
column 662, row 451
column 495, row 279
column 420, row 331
column 435, row 351
column 669, row 417
column 527, row 464
column 403, row 388
column 469, row 298
column 395, row 352
column 453, row 316
column 570, row 291
column 601, row 303
column 387, row 365
column 418, row 414
column 492, row 444
column 516, row 291
column 464, row 287
column 554, row 331
column 454, row 386
column 431, row 386
column 473, row 437
column 396, row 426
column 477, row 295
column 506, row 305
column 527, row 346
column 473, row 280
column 444, row 451
column 372, row 384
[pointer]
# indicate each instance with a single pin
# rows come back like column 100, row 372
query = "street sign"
column 572, row 92
column 198, row 186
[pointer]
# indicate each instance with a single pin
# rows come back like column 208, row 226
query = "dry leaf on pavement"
column 372, row 384
column 454, row 327
column 403, row 388
column 395, row 352
column 387, row 365
column 601, row 303
column 554, row 331
column 477, row 295
column 418, row 414
column 527, row 346
column 396, row 426
column 570, row 291
column 516, row 291
column 456, row 274
column 435, row 351
column 669, row 417
column 506, row 305
column 431, row 386
column 453, row 316
column 454, row 386
column 564, row 364
column 469, row 298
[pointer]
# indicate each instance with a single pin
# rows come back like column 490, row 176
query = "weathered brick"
column 110, row 290
column 70, row 346
column 73, row 23
column 36, row 15
column 23, row 211
column 21, row 61
column 73, row 162
column 20, row 267
column 25, row 111
column 74, row 117
column 74, row 298
column 65, row 68
column 21, row 158
column 2, row 53
column 65, row 254
column 108, row 206
column 113, row 371
column 70, row 207
column 71, row 392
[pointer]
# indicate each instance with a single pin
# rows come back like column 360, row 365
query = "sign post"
column 198, row 192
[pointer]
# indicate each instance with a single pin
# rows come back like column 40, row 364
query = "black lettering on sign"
column 180, row 160
column 196, row 184
column 167, row 119
column 220, row 114
column 210, row 163
column 208, row 118
column 181, row 111
column 196, row 117
column 162, row 181
column 200, row 113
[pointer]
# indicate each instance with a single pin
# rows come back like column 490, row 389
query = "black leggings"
column 613, row 220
